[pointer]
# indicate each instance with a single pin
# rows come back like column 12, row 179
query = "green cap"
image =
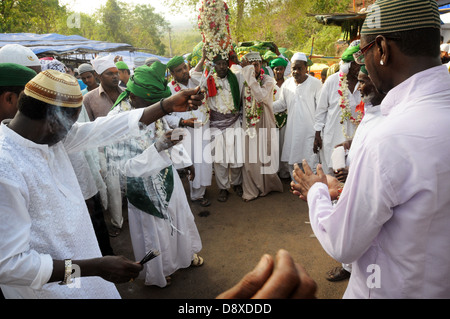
column 278, row 62
column 12, row 74
column 122, row 65
column 387, row 16
column 174, row 62
column 347, row 56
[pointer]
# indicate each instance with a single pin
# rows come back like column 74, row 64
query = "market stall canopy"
column 351, row 23
column 58, row 44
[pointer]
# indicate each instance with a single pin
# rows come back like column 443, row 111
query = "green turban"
column 148, row 83
column 278, row 62
column 174, row 62
column 12, row 74
column 122, row 65
column 347, row 56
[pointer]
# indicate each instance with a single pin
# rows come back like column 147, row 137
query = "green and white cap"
column 387, row 16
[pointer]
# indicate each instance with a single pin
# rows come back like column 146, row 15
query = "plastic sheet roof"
column 53, row 43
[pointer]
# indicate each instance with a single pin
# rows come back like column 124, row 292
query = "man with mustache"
column 299, row 96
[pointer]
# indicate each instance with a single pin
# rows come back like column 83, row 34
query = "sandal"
column 204, row 202
column 223, row 195
column 238, row 190
column 337, row 274
column 197, row 261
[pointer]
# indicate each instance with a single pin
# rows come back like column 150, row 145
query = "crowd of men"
column 366, row 147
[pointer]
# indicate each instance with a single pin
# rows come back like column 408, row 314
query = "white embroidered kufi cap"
column 253, row 56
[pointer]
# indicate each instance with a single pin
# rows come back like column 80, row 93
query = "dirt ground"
column 235, row 235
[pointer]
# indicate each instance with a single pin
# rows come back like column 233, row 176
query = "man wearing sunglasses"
column 392, row 219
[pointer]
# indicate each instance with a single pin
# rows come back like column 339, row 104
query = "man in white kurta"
column 398, row 228
column 196, row 141
column 392, row 220
column 225, row 123
column 35, row 182
column 299, row 96
column 328, row 116
column 45, row 218
column 170, row 228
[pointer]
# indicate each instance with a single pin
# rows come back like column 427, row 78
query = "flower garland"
column 204, row 108
column 226, row 104
column 344, row 103
column 253, row 110
column 214, row 27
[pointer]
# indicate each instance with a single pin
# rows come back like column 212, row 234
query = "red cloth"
column 360, row 107
column 211, row 84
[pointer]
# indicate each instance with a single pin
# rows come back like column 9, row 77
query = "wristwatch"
column 67, row 272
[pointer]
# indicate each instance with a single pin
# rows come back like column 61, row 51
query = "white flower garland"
column 253, row 110
column 226, row 104
column 346, row 115
column 215, row 29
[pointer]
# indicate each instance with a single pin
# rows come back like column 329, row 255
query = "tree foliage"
column 116, row 21
column 288, row 23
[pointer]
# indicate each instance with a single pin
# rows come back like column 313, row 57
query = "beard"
column 367, row 99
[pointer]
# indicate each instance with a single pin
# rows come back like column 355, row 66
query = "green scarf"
column 235, row 92
column 139, row 197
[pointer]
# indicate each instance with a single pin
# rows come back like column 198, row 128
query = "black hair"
column 420, row 42
column 14, row 89
column 39, row 110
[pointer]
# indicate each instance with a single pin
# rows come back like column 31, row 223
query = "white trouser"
column 197, row 193
column 227, row 176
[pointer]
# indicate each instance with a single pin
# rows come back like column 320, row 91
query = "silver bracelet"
column 67, row 272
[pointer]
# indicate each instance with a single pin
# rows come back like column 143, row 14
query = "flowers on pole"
column 214, row 27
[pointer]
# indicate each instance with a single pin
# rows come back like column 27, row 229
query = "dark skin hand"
column 306, row 179
column 191, row 172
column 116, row 269
column 317, row 142
column 189, row 122
column 281, row 278
column 183, row 101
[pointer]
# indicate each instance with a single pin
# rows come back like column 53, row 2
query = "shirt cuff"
column 44, row 273
column 318, row 127
column 134, row 120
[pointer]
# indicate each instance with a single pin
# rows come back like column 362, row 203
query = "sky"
column 90, row 6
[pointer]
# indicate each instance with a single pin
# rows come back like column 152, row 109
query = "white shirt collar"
column 427, row 82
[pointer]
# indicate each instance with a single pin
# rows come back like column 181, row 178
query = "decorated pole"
column 213, row 23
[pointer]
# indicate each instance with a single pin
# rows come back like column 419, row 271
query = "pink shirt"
column 392, row 221
column 98, row 103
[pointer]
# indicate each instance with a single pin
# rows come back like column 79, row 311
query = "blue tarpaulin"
column 61, row 44
column 74, row 46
